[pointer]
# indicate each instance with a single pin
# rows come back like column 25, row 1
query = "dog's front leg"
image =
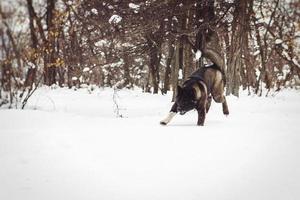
column 225, row 107
column 171, row 114
column 201, row 114
column 209, row 98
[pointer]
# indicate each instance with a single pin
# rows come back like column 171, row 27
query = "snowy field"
column 69, row 145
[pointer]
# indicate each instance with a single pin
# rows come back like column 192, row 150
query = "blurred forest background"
column 152, row 44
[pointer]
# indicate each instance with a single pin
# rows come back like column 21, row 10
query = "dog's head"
column 185, row 99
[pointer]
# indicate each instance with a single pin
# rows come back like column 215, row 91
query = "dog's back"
column 212, row 75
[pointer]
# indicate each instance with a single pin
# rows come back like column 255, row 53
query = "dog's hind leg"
column 218, row 95
column 221, row 99
column 170, row 116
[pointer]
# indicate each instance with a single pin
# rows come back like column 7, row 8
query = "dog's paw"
column 226, row 112
column 200, row 124
column 163, row 123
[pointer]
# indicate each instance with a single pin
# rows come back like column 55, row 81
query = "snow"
column 115, row 19
column 101, row 43
column 86, row 69
column 286, row 54
column 74, row 78
column 115, row 64
column 134, row 6
column 256, row 53
column 94, row 11
column 295, row 61
column 285, row 46
column 31, row 65
column 198, row 54
column 175, row 18
column 68, row 144
column 180, row 74
column 278, row 41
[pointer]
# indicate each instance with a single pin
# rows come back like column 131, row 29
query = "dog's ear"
column 179, row 90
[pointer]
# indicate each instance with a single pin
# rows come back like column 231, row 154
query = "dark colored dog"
column 197, row 91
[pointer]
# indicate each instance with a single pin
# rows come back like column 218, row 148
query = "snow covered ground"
column 69, row 145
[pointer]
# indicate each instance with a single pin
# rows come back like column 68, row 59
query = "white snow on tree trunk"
column 198, row 54
column 115, row 19
column 180, row 74
column 86, row 69
column 278, row 41
column 134, row 6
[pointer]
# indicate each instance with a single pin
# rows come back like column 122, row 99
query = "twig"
column 30, row 93
column 117, row 108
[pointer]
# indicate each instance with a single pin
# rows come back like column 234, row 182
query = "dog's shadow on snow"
column 212, row 123
column 180, row 125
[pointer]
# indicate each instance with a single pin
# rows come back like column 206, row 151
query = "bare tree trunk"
column 153, row 69
column 250, row 77
column 6, row 76
column 235, row 59
column 175, row 71
column 7, row 68
column 12, row 40
column 171, row 49
column 50, row 67
column 61, row 69
column 155, row 57
column 127, row 78
column 188, row 65
column 31, row 73
column 258, row 89
column 262, row 43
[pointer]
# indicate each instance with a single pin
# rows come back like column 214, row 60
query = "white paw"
column 168, row 118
